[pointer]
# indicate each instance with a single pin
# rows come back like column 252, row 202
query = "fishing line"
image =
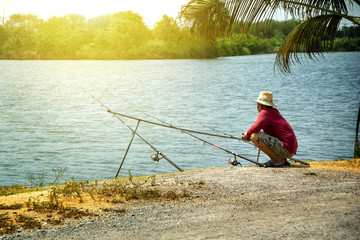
column 188, row 132
column 134, row 133
column 225, row 135
column 168, row 125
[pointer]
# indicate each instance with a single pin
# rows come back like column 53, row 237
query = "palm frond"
column 306, row 8
column 321, row 18
column 313, row 37
column 205, row 13
column 208, row 18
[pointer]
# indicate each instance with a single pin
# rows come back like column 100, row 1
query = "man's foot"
column 286, row 163
column 271, row 164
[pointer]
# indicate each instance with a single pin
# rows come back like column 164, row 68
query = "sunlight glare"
column 151, row 11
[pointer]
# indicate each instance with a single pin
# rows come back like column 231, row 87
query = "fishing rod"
column 155, row 156
column 186, row 131
column 167, row 125
column 211, row 128
column 225, row 135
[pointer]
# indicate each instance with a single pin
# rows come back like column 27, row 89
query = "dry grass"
column 351, row 164
column 4, row 191
column 76, row 200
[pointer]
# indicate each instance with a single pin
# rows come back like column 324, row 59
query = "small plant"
column 11, row 207
column 153, row 180
column 185, row 194
column 6, row 225
column 44, row 206
column 58, row 175
column 28, row 222
column 73, row 188
column 74, row 213
column 149, row 194
column 137, row 184
column 5, row 191
column 41, row 178
column 54, row 221
column 171, row 195
column 310, row 173
column 114, row 210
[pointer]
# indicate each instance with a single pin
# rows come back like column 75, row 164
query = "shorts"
column 275, row 145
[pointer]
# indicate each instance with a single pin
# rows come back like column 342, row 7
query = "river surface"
column 49, row 122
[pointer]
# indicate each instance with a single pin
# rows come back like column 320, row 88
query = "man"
column 278, row 139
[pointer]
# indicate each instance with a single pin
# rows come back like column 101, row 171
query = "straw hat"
column 265, row 98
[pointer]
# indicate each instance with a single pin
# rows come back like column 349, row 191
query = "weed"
column 201, row 182
column 114, row 210
column 74, row 213
column 5, row 191
column 137, row 184
column 28, row 222
column 54, row 221
column 58, row 175
column 119, row 210
column 44, row 206
column 40, row 179
column 6, row 225
column 185, row 194
column 171, row 195
column 73, row 188
column 11, row 207
column 310, row 173
column 115, row 201
column 149, row 194
column 153, row 180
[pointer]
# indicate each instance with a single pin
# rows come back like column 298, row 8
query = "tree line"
column 124, row 35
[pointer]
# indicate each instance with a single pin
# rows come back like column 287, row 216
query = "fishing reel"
column 155, row 157
column 234, row 162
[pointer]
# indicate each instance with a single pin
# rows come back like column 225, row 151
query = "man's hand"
column 245, row 137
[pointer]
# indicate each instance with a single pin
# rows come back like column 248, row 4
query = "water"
column 48, row 121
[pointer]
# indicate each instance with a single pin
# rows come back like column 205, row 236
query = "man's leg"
column 263, row 147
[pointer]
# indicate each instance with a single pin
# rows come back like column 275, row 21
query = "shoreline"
column 217, row 198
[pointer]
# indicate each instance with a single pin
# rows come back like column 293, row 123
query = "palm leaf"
column 207, row 18
column 205, row 13
column 313, row 36
column 214, row 18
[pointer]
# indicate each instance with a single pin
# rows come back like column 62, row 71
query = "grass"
column 5, row 191
column 61, row 201
column 28, row 222
column 11, row 206
column 350, row 164
column 7, row 226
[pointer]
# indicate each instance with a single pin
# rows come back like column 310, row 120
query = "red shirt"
column 273, row 124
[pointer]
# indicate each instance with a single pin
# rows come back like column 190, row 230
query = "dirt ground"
column 317, row 202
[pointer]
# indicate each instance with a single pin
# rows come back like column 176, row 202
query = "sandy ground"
column 295, row 202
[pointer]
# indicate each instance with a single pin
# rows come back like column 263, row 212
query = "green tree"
column 3, row 39
column 166, row 29
column 22, row 30
column 126, row 32
column 315, row 33
column 63, row 37
column 166, row 38
column 97, row 48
